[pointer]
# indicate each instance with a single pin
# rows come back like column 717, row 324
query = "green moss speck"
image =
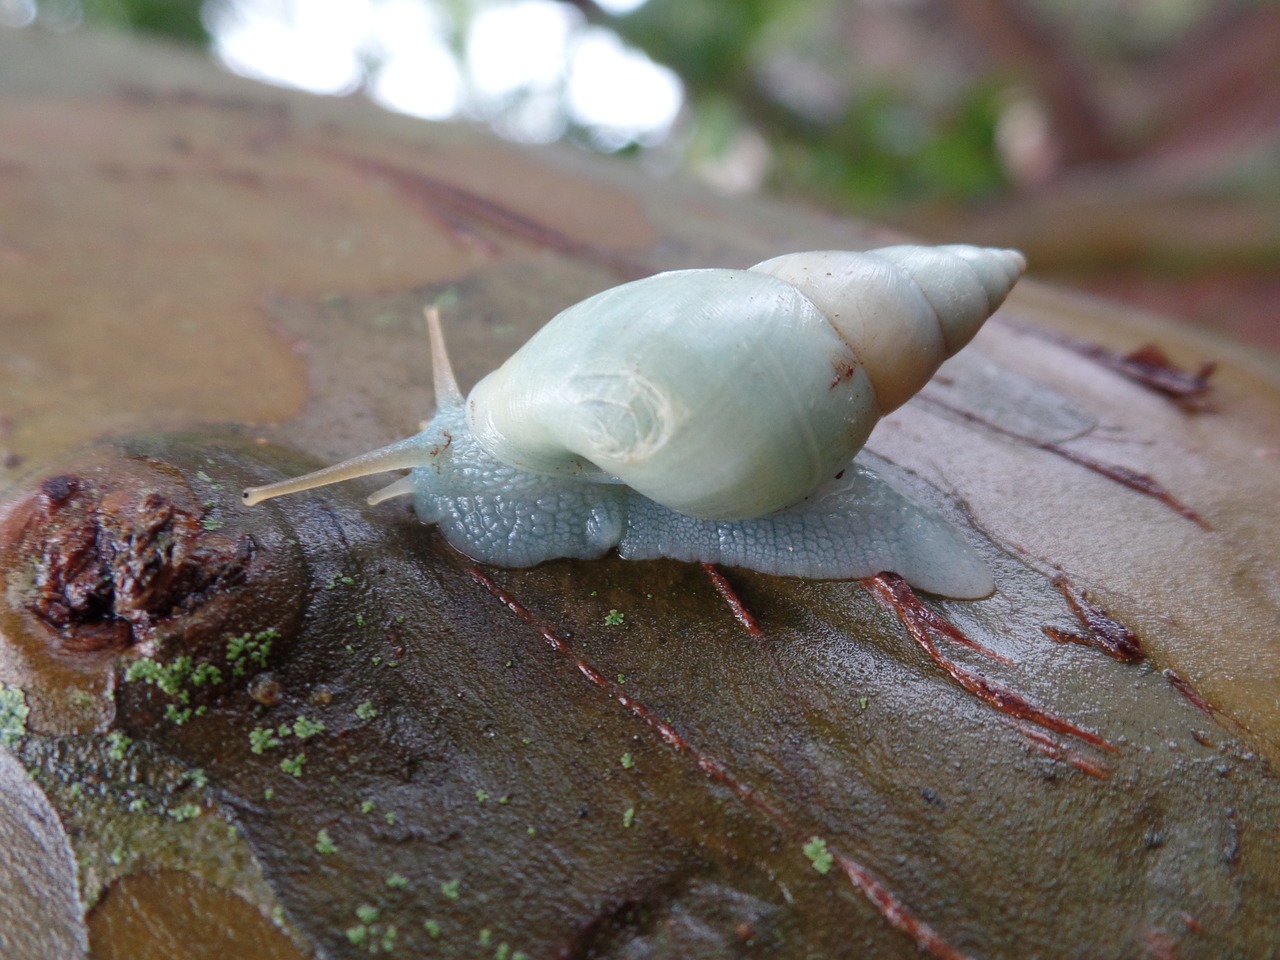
column 819, row 856
column 324, row 843
column 250, row 648
column 169, row 677
column 188, row 811
column 629, row 816
column 366, row 711
column 269, row 793
column 450, row 888
column 627, row 761
column 117, row 745
column 432, row 928
column 304, row 728
column 532, row 831
column 176, row 714
column 367, row 913
column 482, row 796
column 397, row 881
column 205, row 673
column 613, row 618
column 390, row 818
column 211, row 523
column 293, row 765
column 262, row 739
column 366, row 806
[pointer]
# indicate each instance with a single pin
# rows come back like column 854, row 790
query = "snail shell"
column 705, row 415
column 734, row 393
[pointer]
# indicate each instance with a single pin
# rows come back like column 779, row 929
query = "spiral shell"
column 734, row 393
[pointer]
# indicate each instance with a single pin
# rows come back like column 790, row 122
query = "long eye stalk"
column 401, row 455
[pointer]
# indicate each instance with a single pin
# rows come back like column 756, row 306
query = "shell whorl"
column 905, row 308
column 733, row 393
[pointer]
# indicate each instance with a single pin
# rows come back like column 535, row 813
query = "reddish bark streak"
column 453, row 205
column 730, row 596
column 1056, row 751
column 891, row 590
column 894, row 911
column 1148, row 365
column 1139, row 482
column 1183, row 686
column 1112, row 638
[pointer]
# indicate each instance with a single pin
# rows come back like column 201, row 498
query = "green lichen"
column 262, row 739
column 369, row 934
column 324, row 843
column 304, row 728
column 819, row 856
column 293, row 765
column 627, row 761
column 205, row 673
column 482, row 796
column 629, row 816
column 250, row 648
column 397, row 881
column 613, row 618
column 450, row 888
column 176, row 714
column 366, row 806
column 169, row 677
column 117, row 745
column 432, row 928
column 366, row 711
column 188, row 811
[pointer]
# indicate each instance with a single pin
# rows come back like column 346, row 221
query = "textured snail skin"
column 854, row 526
column 706, row 415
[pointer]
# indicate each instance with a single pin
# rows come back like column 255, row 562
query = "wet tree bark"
column 314, row 729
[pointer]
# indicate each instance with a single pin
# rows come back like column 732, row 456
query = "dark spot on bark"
column 108, row 563
column 57, row 490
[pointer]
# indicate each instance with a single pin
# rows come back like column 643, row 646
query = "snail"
column 705, row 415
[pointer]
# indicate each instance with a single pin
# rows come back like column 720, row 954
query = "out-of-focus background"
column 1129, row 146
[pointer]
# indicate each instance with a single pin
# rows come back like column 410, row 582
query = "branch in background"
column 1220, row 86
column 1020, row 42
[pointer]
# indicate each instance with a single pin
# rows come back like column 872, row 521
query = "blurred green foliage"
column 175, row 19
column 880, row 145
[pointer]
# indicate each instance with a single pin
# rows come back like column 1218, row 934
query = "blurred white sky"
column 532, row 68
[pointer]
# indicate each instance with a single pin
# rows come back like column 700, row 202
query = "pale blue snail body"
column 706, row 415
